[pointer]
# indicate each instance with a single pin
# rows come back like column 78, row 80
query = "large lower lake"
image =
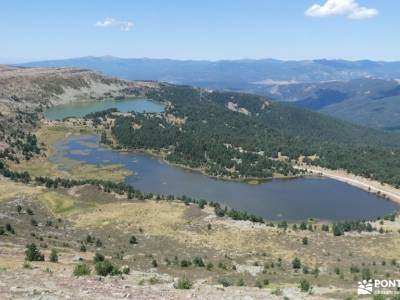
column 81, row 109
column 297, row 199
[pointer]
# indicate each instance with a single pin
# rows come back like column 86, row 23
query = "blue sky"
column 200, row 29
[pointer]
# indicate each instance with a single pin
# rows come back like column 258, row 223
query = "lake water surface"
column 297, row 199
column 80, row 109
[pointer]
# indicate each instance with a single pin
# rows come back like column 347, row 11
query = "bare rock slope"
column 24, row 88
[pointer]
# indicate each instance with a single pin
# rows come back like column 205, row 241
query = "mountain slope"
column 209, row 121
column 344, row 89
column 25, row 93
column 367, row 101
column 228, row 73
column 243, row 135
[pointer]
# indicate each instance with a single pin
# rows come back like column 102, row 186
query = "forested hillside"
column 369, row 102
column 245, row 135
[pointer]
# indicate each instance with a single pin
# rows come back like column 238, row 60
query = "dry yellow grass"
column 76, row 170
column 52, row 134
column 158, row 218
column 39, row 167
column 58, row 203
column 9, row 190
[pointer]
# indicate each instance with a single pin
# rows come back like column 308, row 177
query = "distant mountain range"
column 229, row 71
column 364, row 92
column 365, row 101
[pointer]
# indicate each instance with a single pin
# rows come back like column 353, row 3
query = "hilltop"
column 362, row 92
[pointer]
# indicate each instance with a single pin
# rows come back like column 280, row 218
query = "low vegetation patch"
column 183, row 284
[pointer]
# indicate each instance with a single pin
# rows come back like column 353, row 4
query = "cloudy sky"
column 206, row 29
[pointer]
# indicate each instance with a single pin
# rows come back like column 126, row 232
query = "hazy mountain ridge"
column 246, row 70
column 363, row 92
column 366, row 101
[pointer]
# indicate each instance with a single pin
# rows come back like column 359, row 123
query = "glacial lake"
column 80, row 109
column 292, row 200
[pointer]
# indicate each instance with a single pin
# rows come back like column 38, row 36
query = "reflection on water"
column 80, row 109
column 297, row 199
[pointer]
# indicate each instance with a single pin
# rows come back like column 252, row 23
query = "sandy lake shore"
column 385, row 190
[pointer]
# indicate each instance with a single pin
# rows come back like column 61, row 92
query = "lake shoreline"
column 273, row 199
column 383, row 191
column 372, row 186
column 161, row 158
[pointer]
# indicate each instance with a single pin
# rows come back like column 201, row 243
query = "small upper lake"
column 82, row 108
column 294, row 200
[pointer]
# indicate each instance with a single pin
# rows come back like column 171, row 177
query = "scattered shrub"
column 99, row 244
column 53, row 256
column 277, row 292
column 259, row 284
column 34, row 222
column 305, row 286
column 81, row 270
column 337, row 271
column 185, row 263
column 241, row 282
column 105, row 267
column 198, row 261
column 183, row 284
column 154, row 263
column 125, row 270
column 366, row 274
column 296, row 263
column 225, row 282
column 202, row 203
column 221, row 265
column 32, row 253
column 354, row 269
column 98, row 257
column 89, row 239
column 303, row 226
column 132, row 240
column 154, row 280
column 210, row 266
column 337, row 230
column 9, row 228
column 325, row 228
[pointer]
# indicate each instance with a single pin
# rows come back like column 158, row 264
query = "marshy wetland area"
column 166, row 245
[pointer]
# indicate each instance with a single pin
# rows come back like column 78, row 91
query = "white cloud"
column 110, row 22
column 349, row 8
